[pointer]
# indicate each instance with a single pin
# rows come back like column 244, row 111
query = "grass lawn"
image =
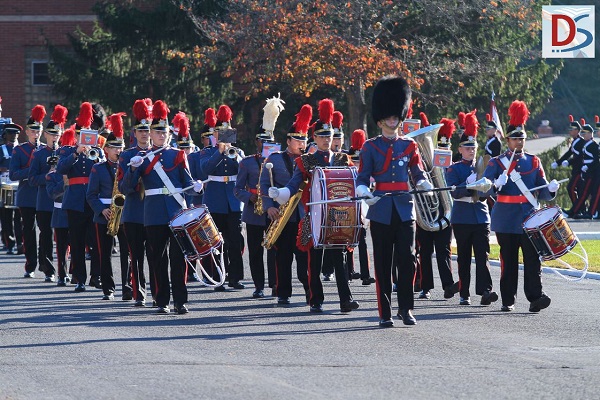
column 592, row 247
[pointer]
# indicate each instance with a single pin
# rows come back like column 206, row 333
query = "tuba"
column 433, row 212
column 116, row 209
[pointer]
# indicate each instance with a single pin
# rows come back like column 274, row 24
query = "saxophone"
column 258, row 206
column 285, row 212
column 116, row 209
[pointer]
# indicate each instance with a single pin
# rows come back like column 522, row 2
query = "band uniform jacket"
column 100, row 188
column 77, row 168
column 389, row 161
column 589, row 153
column 5, row 155
column 159, row 209
column 37, row 177
column 509, row 213
column 281, row 176
column 133, row 210
column 218, row 193
column 20, row 162
column 493, row 147
column 245, row 186
column 573, row 155
column 464, row 209
column 55, row 188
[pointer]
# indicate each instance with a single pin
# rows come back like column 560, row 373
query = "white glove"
column 472, row 178
column 424, row 184
column 584, row 168
column 565, row 163
column 198, row 186
column 554, row 165
column 501, row 181
column 372, row 200
column 553, row 186
column 136, row 161
column 273, row 192
column 363, row 191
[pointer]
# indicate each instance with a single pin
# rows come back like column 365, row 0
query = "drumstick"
column 546, row 185
column 505, row 173
column 148, row 154
column 269, row 166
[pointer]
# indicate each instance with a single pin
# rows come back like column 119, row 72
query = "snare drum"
column 8, row 194
column 334, row 224
column 549, row 232
column 195, row 232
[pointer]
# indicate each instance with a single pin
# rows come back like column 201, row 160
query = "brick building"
column 26, row 27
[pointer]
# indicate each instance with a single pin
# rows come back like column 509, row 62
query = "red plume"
column 176, row 119
column 488, row 117
column 518, row 113
column 210, row 118
column 303, row 119
column 326, row 111
column 448, row 128
column 160, row 110
column 86, row 115
column 59, row 115
column 358, row 139
column 224, row 114
column 571, row 119
column 184, row 127
column 461, row 119
column 410, row 110
column 471, row 124
column 596, row 119
column 68, row 137
column 582, row 121
column 338, row 118
column 38, row 113
column 424, row 120
column 141, row 110
column 116, row 124
column 101, row 141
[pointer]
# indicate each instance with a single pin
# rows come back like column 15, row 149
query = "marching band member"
column 225, row 209
column 194, row 159
column 100, row 198
column 304, row 166
column 20, row 164
column 493, row 147
column 246, row 190
column 164, row 173
column 133, row 210
column 589, row 155
column 592, row 173
column 10, row 218
column 388, row 159
column 60, row 223
column 44, row 159
column 514, row 204
column 76, row 164
column 573, row 158
column 470, row 221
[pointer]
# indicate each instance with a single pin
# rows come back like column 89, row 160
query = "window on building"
column 39, row 73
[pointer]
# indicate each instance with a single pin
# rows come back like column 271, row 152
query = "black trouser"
column 473, row 238
column 583, row 188
column 230, row 226
column 45, row 251
column 315, row 262
column 426, row 241
column 363, row 256
column 29, row 238
column 61, row 236
column 80, row 222
column 105, row 245
column 12, row 232
column 137, row 244
column 126, row 273
column 394, row 243
column 509, row 264
column 95, row 269
column 254, row 237
column 286, row 249
column 572, row 187
column 159, row 238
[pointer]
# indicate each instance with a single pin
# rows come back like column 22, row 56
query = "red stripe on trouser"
column 310, row 296
column 572, row 194
column 594, row 207
column 582, row 197
column 134, row 284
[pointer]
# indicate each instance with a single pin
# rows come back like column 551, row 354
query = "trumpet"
column 92, row 154
column 233, row 152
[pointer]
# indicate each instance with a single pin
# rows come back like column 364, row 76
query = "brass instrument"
column 482, row 163
column 116, row 210
column 92, row 154
column 285, row 212
column 433, row 212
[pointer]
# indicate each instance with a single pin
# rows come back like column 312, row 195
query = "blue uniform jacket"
column 55, row 189
column 133, row 210
column 159, row 209
column 573, row 155
column 100, row 188
column 462, row 212
column 20, row 162
column 75, row 166
column 37, row 177
column 509, row 217
column 389, row 161
column 218, row 196
column 197, row 174
column 6, row 155
column 281, row 176
column 247, row 179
